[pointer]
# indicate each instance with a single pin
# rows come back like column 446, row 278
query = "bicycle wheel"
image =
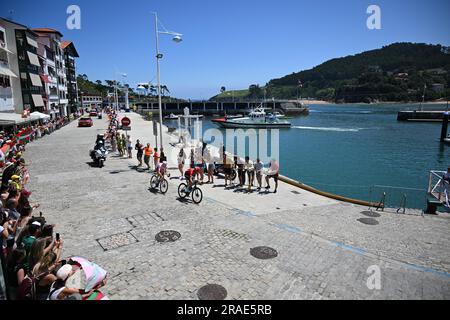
column 163, row 186
column 154, row 182
column 182, row 190
column 233, row 175
column 197, row 195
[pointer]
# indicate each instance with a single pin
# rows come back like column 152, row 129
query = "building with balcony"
column 56, row 87
column 70, row 53
column 26, row 88
column 6, row 97
column 91, row 101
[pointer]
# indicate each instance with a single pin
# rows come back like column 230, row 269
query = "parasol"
column 93, row 274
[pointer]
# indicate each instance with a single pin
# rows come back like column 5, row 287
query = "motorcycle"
column 99, row 156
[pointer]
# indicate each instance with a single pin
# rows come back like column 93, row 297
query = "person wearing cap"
column 58, row 290
column 16, row 181
column 11, row 170
column 34, row 230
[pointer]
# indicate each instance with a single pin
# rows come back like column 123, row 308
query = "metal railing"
column 400, row 198
column 438, row 187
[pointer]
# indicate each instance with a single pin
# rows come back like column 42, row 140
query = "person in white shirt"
column 273, row 173
column 250, row 170
column 258, row 172
column 181, row 160
column 209, row 161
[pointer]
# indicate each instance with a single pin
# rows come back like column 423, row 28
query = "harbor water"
column 361, row 151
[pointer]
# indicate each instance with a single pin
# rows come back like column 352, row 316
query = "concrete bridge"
column 219, row 107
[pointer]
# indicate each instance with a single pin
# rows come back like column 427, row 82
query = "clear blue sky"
column 231, row 43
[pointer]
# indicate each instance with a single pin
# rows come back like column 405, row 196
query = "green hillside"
column 398, row 72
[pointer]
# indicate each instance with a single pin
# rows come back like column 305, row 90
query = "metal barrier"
column 398, row 197
column 438, row 187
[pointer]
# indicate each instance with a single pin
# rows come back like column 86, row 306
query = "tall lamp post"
column 116, row 89
column 176, row 38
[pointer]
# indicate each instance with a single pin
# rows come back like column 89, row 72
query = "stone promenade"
column 320, row 248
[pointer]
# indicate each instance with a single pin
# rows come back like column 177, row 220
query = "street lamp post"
column 176, row 38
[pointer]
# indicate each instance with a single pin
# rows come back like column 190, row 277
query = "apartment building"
column 37, row 70
column 50, row 40
column 70, row 53
column 6, row 98
column 25, row 83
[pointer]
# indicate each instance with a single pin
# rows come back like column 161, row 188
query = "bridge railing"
column 438, row 187
column 401, row 198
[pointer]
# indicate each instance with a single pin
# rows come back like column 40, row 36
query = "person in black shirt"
column 140, row 151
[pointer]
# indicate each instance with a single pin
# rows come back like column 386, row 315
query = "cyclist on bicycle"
column 190, row 175
column 161, row 170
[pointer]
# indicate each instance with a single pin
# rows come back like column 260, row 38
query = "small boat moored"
column 257, row 118
column 171, row 117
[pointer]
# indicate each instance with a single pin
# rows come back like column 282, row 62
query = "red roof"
column 69, row 44
column 64, row 44
column 47, row 30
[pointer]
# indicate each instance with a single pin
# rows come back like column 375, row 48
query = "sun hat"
column 64, row 272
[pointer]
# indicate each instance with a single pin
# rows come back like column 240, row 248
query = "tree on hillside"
column 254, row 91
column 164, row 90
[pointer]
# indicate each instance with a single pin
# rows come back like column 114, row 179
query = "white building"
column 6, row 98
column 91, row 101
column 26, row 88
column 56, row 87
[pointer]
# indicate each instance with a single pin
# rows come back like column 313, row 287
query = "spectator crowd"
column 31, row 250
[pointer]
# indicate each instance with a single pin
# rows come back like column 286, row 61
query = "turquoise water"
column 361, row 151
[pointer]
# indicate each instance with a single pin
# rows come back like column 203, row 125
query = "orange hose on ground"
column 326, row 194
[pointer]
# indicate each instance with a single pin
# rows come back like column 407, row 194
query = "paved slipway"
column 324, row 251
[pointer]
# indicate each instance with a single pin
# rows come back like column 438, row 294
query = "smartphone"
column 57, row 237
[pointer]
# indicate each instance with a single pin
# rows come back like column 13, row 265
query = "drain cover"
column 212, row 292
column 369, row 221
column 263, row 253
column 168, row 236
column 371, row 214
column 117, row 240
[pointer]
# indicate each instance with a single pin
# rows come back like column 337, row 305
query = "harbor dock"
column 421, row 116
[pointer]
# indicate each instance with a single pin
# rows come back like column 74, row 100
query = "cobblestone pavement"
column 323, row 250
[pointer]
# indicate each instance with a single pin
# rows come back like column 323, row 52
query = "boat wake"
column 329, row 129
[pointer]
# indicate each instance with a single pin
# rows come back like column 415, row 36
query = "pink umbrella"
column 94, row 273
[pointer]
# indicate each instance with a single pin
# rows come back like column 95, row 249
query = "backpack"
column 27, row 289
